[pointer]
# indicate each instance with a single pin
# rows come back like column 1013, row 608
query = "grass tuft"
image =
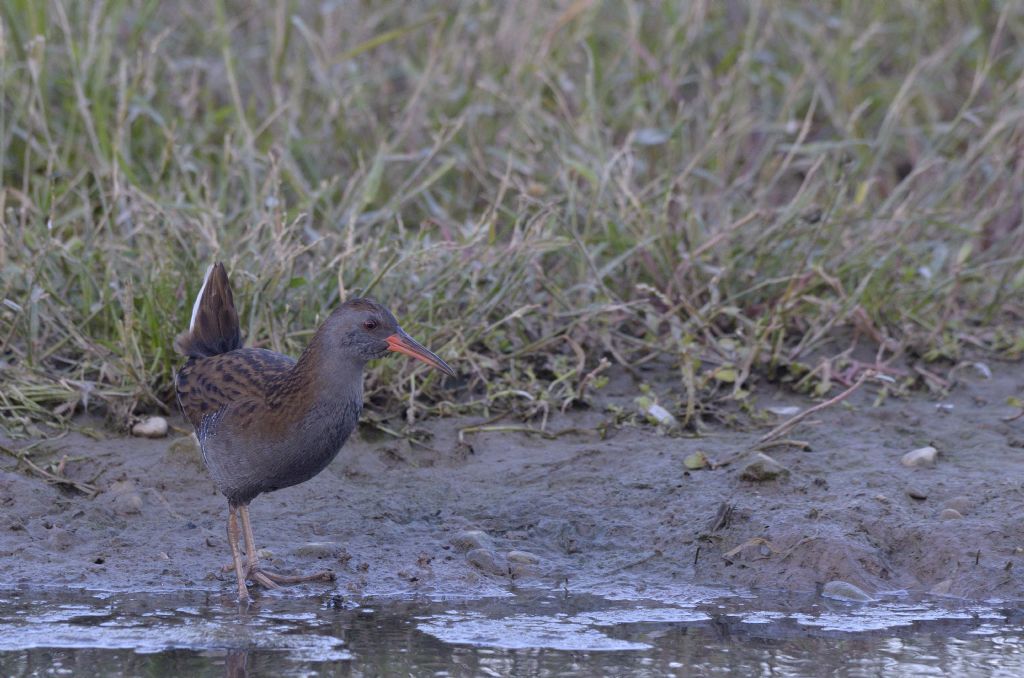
column 734, row 189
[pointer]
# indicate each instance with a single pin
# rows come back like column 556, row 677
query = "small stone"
column 784, row 410
column 124, row 499
column 655, row 413
column 522, row 557
column 483, row 560
column 960, row 504
column 697, row 461
column 983, row 369
column 128, row 504
column 942, row 588
column 521, row 563
column 151, row 427
column 319, row 550
column 922, row 456
column 950, row 514
column 762, row 468
column 471, row 539
column 843, row 590
column 917, row 493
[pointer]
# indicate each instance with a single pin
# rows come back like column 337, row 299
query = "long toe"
column 283, row 579
column 263, row 580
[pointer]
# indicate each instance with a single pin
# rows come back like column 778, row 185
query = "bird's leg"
column 269, row 579
column 252, row 560
column 243, row 591
column 250, row 543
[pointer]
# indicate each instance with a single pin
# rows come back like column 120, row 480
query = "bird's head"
column 368, row 330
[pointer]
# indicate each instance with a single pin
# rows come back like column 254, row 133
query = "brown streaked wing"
column 205, row 385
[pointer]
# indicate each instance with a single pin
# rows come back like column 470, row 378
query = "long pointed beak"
column 400, row 342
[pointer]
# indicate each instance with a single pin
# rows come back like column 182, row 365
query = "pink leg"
column 269, row 579
column 236, row 557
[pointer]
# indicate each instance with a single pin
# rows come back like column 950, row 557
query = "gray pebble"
column 959, row 504
column 521, row 563
column 472, row 539
column 762, row 468
column 844, row 590
column 524, row 557
column 123, row 498
column 484, row 560
column 917, row 493
column 950, row 514
column 128, row 504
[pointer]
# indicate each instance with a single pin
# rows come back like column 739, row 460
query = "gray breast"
column 314, row 444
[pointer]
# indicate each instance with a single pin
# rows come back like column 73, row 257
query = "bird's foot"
column 279, row 579
column 272, row 580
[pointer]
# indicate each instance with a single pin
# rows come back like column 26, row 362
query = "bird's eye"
column 370, row 324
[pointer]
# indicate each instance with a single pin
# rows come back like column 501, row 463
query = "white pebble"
column 922, row 456
column 151, row 427
column 661, row 415
column 845, row 591
column 784, row 410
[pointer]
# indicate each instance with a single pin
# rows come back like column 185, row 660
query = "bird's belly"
column 313, row 443
column 316, row 457
column 250, row 463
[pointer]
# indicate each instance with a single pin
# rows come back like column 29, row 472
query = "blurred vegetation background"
column 738, row 192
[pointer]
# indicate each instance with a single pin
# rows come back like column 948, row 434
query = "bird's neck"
column 321, row 380
column 317, row 406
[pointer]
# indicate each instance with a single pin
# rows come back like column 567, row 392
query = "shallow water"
column 696, row 632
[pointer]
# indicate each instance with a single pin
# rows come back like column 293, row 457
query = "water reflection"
column 236, row 664
column 196, row 634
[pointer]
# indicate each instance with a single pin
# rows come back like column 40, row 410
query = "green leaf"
column 697, row 461
column 726, row 375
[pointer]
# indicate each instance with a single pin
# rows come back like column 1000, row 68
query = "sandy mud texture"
column 620, row 516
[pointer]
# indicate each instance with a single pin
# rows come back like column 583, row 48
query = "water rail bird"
column 266, row 421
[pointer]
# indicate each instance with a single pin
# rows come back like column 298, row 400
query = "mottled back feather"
column 206, row 385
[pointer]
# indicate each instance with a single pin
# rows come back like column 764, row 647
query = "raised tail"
column 214, row 325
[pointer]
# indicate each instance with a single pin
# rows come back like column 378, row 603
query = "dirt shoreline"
column 620, row 516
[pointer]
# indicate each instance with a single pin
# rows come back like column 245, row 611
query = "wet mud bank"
column 620, row 516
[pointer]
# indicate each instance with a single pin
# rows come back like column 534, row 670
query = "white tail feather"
column 199, row 297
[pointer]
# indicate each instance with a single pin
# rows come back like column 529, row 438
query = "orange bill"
column 400, row 342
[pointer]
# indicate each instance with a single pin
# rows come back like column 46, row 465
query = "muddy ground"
column 619, row 516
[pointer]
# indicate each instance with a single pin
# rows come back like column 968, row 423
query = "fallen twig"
column 52, row 478
column 786, row 442
column 787, row 425
column 756, row 541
